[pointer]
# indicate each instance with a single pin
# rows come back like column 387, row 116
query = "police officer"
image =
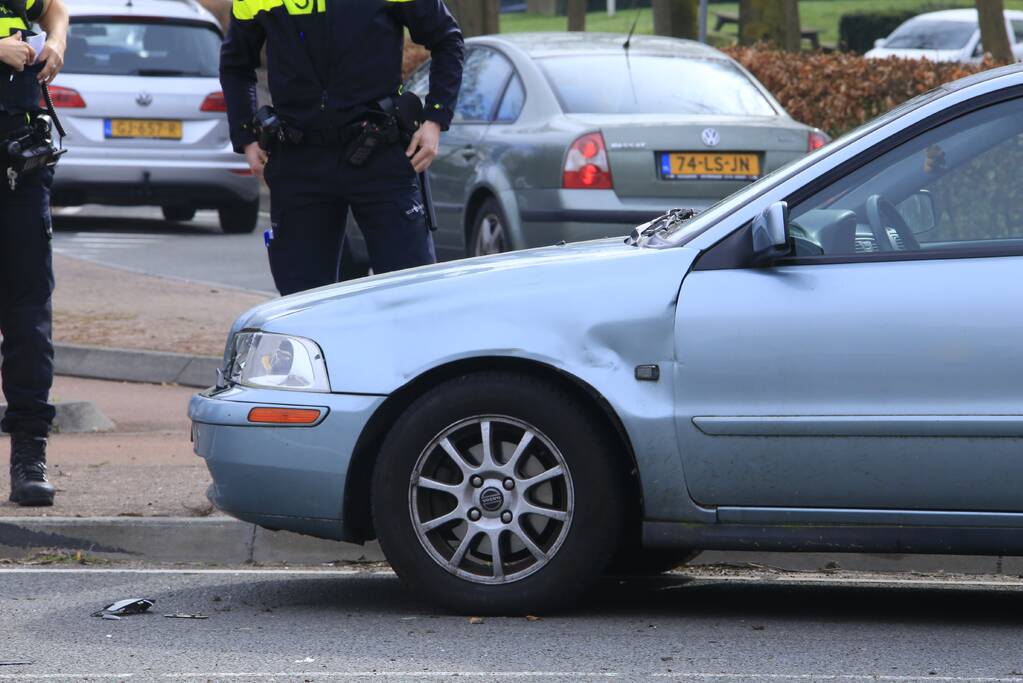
column 332, row 65
column 26, row 272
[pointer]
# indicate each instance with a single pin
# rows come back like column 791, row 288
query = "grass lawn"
column 819, row 14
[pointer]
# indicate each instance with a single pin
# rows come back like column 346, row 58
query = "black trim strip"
column 586, row 216
column 835, row 538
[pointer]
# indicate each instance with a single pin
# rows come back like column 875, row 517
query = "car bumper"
column 281, row 478
column 207, row 180
column 549, row 216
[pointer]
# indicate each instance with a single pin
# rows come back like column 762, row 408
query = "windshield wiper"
column 670, row 221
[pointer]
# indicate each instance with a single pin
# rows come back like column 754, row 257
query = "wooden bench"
column 723, row 19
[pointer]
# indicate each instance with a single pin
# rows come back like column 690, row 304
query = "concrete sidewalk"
column 105, row 307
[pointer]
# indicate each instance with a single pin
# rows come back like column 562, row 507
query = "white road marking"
column 695, row 574
column 326, row 571
column 501, row 675
column 67, row 210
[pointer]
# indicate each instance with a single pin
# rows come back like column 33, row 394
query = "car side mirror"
column 770, row 236
column 918, row 211
column 880, row 42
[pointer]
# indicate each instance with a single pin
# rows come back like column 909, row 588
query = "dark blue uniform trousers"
column 26, row 314
column 311, row 190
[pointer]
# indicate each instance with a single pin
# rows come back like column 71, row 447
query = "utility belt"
column 26, row 145
column 396, row 121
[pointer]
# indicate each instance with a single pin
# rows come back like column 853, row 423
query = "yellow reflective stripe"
column 397, row 1
column 9, row 25
column 248, row 9
column 245, row 10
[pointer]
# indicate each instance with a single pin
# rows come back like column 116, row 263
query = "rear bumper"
column 207, row 181
column 281, row 478
column 549, row 216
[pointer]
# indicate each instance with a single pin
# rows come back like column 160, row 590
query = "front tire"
column 239, row 218
column 545, row 491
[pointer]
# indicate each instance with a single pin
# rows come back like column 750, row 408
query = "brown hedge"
column 833, row 91
column 838, row 91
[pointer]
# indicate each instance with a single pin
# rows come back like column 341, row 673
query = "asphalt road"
column 332, row 624
column 138, row 238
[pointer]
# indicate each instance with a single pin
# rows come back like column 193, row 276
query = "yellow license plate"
column 143, row 128
column 724, row 166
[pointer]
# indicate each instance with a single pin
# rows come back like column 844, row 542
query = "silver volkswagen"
column 828, row 360
column 140, row 98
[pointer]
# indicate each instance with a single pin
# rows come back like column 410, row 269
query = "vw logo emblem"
column 491, row 499
column 144, row 99
column 711, row 137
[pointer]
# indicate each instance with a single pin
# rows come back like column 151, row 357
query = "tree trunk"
column 993, row 35
column 547, row 8
column 576, row 15
column 774, row 22
column 476, row 17
column 677, row 18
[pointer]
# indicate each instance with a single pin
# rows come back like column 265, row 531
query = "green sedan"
column 574, row 136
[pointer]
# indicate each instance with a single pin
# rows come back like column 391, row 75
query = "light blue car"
column 829, row 360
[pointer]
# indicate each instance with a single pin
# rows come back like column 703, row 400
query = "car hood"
column 577, row 305
column 447, row 275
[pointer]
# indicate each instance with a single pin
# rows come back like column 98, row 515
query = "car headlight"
column 277, row 361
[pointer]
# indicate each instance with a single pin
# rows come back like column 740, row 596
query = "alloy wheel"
column 489, row 236
column 491, row 499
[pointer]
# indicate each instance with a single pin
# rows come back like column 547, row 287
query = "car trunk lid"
column 740, row 148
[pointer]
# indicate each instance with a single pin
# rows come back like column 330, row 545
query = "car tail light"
column 214, row 102
column 65, row 98
column 816, row 140
column 586, row 166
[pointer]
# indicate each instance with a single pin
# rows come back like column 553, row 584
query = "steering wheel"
column 882, row 214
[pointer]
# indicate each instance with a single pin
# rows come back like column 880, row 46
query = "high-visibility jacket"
column 330, row 60
column 19, row 90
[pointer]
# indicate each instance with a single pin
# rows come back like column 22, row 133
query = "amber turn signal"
column 286, row 416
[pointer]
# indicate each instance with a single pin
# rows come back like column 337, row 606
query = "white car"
column 146, row 120
column 945, row 36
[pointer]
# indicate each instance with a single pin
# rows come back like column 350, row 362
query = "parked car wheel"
column 489, row 230
column 498, row 494
column 648, row 561
column 240, row 217
column 178, row 213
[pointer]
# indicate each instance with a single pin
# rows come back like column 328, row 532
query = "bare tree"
column 677, row 18
column 577, row 15
column 993, row 34
column 477, row 17
column 775, row 22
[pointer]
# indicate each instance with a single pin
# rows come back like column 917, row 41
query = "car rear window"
column 648, row 84
column 931, row 34
column 142, row 48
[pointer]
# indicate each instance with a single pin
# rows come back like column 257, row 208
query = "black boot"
column 29, row 486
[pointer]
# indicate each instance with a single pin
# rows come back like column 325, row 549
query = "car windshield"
column 649, row 84
column 929, row 34
column 142, row 48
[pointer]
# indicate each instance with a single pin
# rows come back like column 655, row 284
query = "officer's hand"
column 16, row 53
column 423, row 148
column 53, row 56
column 256, row 158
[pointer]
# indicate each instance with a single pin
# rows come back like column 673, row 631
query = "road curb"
column 206, row 540
column 226, row 541
column 127, row 365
